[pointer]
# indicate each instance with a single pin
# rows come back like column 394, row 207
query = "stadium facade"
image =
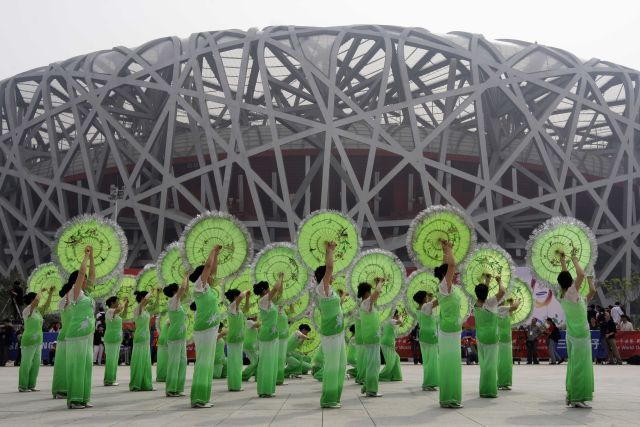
column 376, row 121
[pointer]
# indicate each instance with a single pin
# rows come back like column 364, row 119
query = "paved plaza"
column 537, row 399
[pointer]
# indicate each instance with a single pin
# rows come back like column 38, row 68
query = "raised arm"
column 514, row 306
column 239, row 299
column 592, row 287
column 34, row 304
column 145, row 300
column 92, row 269
column 328, row 261
column 184, row 288
column 119, row 309
column 211, row 266
column 275, row 291
column 247, row 301
column 377, row 291
column 579, row 272
column 450, row 261
column 77, row 286
column 501, row 290
column 434, row 303
column 47, row 303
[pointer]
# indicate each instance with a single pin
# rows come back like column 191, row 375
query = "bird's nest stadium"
column 376, row 121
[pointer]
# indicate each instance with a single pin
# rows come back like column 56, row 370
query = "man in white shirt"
column 617, row 313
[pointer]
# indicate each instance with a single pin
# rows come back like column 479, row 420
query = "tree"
column 623, row 289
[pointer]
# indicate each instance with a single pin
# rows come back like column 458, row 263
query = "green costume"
column 579, row 378
column 428, row 346
column 283, row 341
column 251, row 348
column 79, row 342
column 176, row 349
column 268, row 345
column 352, row 358
column 59, row 384
column 333, row 348
column 317, row 364
column 505, row 349
column 220, row 361
column 391, row 370
column 450, row 367
column 297, row 363
column 112, row 341
column 205, row 335
column 371, row 343
column 141, row 377
column 360, row 369
column 487, row 336
column 31, row 348
column 235, row 338
column 163, row 353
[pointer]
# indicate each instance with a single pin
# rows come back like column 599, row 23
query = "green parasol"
column 465, row 303
column 216, row 228
column 419, row 280
column 104, row 289
column 125, row 292
column 560, row 234
column 349, row 304
column 244, row 282
column 105, row 237
column 298, row 308
column 522, row 292
column 438, row 223
column 147, row 280
column 325, row 226
column 491, row 259
column 279, row 258
column 170, row 266
column 308, row 346
column 42, row 278
column 407, row 320
column 376, row 263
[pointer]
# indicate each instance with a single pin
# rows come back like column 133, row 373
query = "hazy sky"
column 38, row 32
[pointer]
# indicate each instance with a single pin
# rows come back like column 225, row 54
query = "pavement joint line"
column 280, row 409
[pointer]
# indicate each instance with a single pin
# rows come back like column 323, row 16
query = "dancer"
column 176, row 337
column 163, row 353
column 235, row 337
column 113, row 339
column 283, row 341
column 579, row 378
column 297, row 363
column 141, row 377
column 332, row 331
column 251, row 348
column 428, row 338
column 31, row 342
column 450, row 368
column 370, row 336
column 317, row 364
column 505, row 346
column 205, row 335
column 59, row 383
column 352, row 358
column 486, row 314
column 220, row 361
column 268, row 337
column 360, row 369
column 391, row 370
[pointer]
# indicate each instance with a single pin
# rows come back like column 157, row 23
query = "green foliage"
column 623, row 289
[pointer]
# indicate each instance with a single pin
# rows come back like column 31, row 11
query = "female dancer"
column 59, row 384
column 235, row 337
column 317, row 364
column 205, row 335
column 176, row 336
column 113, row 339
column 450, row 368
column 251, row 348
column 332, row 331
column 486, row 314
column 428, row 339
column 505, row 346
column 579, row 379
column 360, row 356
column 283, row 340
column 220, row 361
column 141, row 377
column 268, row 337
column 161, row 364
column 79, row 336
column 352, row 358
column 370, row 336
column 31, row 342
column 391, row 370
column 296, row 363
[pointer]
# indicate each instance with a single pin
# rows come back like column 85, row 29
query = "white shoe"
column 76, row 406
column 88, row 405
column 374, row 395
column 580, row 405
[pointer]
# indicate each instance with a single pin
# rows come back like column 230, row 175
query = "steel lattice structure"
column 376, row 121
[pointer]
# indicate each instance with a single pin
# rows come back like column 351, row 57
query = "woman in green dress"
column 370, row 321
column 141, row 376
column 317, row 364
column 31, row 342
column 283, row 341
column 450, row 367
column 579, row 378
column 59, row 383
column 113, row 339
column 486, row 315
column 176, row 339
column 79, row 336
column 220, row 361
column 296, row 363
column 235, row 337
column 251, row 348
column 360, row 356
column 268, row 337
column 391, row 370
column 428, row 339
column 352, row 358
column 505, row 345
column 205, row 329
column 161, row 364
